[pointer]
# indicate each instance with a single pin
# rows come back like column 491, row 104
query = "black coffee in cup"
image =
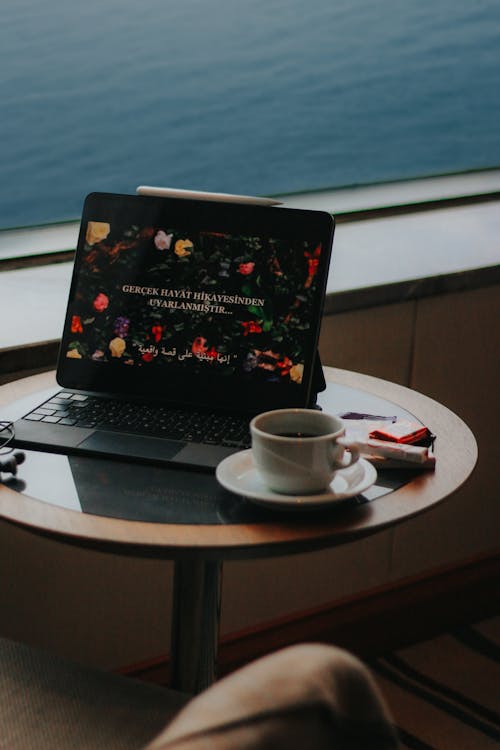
column 297, row 434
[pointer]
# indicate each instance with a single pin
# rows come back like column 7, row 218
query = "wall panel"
column 457, row 362
column 376, row 341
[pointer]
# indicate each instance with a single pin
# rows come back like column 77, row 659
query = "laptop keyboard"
column 79, row 410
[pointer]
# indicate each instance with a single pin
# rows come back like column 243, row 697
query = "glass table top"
column 162, row 494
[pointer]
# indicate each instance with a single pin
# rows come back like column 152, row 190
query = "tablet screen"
column 179, row 300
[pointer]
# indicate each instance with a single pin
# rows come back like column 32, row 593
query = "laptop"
column 185, row 318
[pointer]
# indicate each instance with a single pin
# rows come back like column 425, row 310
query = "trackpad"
column 137, row 446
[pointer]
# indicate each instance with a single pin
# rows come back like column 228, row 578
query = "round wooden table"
column 223, row 526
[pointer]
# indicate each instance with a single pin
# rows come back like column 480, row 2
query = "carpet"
column 444, row 693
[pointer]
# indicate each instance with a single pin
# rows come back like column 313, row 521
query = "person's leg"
column 307, row 696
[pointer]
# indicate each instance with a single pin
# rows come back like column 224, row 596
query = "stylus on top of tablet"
column 201, row 195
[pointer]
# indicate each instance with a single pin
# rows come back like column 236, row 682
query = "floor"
column 444, row 693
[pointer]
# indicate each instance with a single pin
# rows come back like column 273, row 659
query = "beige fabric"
column 307, row 696
column 47, row 703
column 303, row 697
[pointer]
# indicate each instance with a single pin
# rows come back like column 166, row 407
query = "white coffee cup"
column 298, row 451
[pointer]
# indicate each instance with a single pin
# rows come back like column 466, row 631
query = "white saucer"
column 238, row 474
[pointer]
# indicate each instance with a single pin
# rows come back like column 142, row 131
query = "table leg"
column 195, row 624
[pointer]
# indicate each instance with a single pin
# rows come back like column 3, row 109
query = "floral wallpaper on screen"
column 148, row 296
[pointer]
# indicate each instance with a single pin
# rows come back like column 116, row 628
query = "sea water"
column 259, row 97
